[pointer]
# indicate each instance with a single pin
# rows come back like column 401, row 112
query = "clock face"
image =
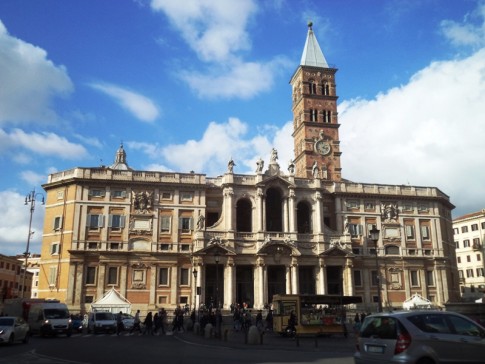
column 322, row 147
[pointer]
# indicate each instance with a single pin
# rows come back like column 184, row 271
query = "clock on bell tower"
column 315, row 122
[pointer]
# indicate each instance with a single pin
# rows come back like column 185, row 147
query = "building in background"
column 33, row 268
column 11, row 278
column 469, row 232
column 166, row 239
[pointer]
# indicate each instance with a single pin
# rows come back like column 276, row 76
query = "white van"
column 49, row 318
column 101, row 322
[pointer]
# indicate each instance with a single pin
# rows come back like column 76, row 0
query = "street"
column 182, row 348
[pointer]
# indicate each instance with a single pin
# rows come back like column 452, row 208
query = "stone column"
column 101, row 280
column 123, row 279
column 71, row 284
column 294, row 276
column 173, row 285
column 259, row 210
column 285, row 215
column 288, row 279
column 291, row 211
column 229, row 283
column 153, row 284
column 317, row 220
column 323, row 273
column 258, row 283
column 422, row 279
column 348, row 279
column 228, row 208
column 79, row 283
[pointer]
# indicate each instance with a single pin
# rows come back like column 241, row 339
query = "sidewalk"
column 272, row 341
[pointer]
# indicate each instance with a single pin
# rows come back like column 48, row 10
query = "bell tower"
column 315, row 121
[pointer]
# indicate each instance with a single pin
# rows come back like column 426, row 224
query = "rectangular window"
column 476, row 243
column 429, row 278
column 184, row 277
column 96, row 193
column 352, row 204
column 115, row 246
column 186, row 196
column 113, row 275
column 460, row 274
column 369, row 206
column 456, row 231
column 423, row 208
column 162, row 300
column 479, row 272
column 355, row 230
column 407, row 207
column 425, row 232
column 483, row 225
column 409, row 232
column 184, row 300
column 166, row 195
column 414, row 278
column 88, row 299
column 163, row 277
column 458, row 260
column 468, row 259
column 457, row 244
column 184, row 247
column 185, row 224
column 479, row 257
column 57, row 224
column 52, row 276
column 95, row 221
column 469, row 273
column 464, row 229
column 116, row 221
column 313, row 115
column 164, row 247
column 466, row 243
column 357, row 278
column 165, row 224
column 474, row 227
column 55, row 248
column 92, row 246
column 118, row 194
column 90, row 275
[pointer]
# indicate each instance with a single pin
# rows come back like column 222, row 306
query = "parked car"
column 101, row 322
column 14, row 329
column 420, row 337
column 77, row 323
column 128, row 321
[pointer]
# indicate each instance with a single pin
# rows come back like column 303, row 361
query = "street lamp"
column 374, row 236
column 216, row 258
column 29, row 199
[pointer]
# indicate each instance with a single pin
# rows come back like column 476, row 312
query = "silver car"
column 13, row 329
column 420, row 337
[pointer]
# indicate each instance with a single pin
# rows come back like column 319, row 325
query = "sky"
column 188, row 85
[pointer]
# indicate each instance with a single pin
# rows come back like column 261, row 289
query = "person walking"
column 148, row 324
column 119, row 323
column 136, row 323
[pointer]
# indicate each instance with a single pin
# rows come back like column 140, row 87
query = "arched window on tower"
column 312, row 87
column 327, row 116
column 326, row 91
column 313, row 115
column 274, row 210
column 244, row 215
column 304, row 218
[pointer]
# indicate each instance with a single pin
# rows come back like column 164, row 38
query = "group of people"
column 242, row 319
column 152, row 324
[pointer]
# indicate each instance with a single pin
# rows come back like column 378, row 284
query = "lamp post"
column 216, row 258
column 194, row 272
column 29, row 199
column 374, row 236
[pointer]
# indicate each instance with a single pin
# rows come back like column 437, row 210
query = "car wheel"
column 11, row 339
column 26, row 338
column 425, row 361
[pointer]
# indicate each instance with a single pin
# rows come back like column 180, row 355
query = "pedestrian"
column 156, row 323
column 136, row 323
column 119, row 323
column 148, row 324
column 269, row 320
column 259, row 321
column 163, row 319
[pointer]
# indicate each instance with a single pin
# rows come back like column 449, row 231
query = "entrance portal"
column 214, row 285
column 306, row 279
column 276, row 281
column 334, row 280
column 244, row 285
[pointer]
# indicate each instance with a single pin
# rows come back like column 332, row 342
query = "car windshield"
column 383, row 327
column 104, row 316
column 6, row 321
column 56, row 313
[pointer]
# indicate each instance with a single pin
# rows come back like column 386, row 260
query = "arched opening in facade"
column 274, row 210
column 304, row 218
column 244, row 215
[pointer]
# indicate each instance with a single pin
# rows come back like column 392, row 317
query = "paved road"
column 181, row 348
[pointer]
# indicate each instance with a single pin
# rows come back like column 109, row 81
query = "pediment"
column 336, row 251
column 215, row 246
column 282, row 247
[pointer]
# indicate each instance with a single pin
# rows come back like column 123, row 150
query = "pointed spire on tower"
column 312, row 54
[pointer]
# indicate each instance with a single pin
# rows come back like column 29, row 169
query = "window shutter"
column 425, row 232
column 110, row 220
column 181, row 221
column 61, row 220
column 122, row 221
column 88, row 220
column 123, row 194
column 191, row 223
column 359, row 229
column 100, row 220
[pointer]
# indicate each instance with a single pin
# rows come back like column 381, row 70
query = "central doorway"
column 276, row 281
column 244, row 285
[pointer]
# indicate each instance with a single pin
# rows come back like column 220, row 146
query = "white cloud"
column 243, row 80
column 140, row 106
column 46, row 144
column 29, row 82
column 217, row 32
column 467, row 34
column 214, row 29
column 14, row 227
column 428, row 132
column 33, row 178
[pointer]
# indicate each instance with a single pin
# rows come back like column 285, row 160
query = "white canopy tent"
column 112, row 301
column 417, row 302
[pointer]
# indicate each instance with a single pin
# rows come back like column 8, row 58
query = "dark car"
column 420, row 337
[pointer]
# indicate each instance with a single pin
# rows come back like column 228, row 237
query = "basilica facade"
column 164, row 239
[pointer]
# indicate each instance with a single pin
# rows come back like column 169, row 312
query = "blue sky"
column 186, row 85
